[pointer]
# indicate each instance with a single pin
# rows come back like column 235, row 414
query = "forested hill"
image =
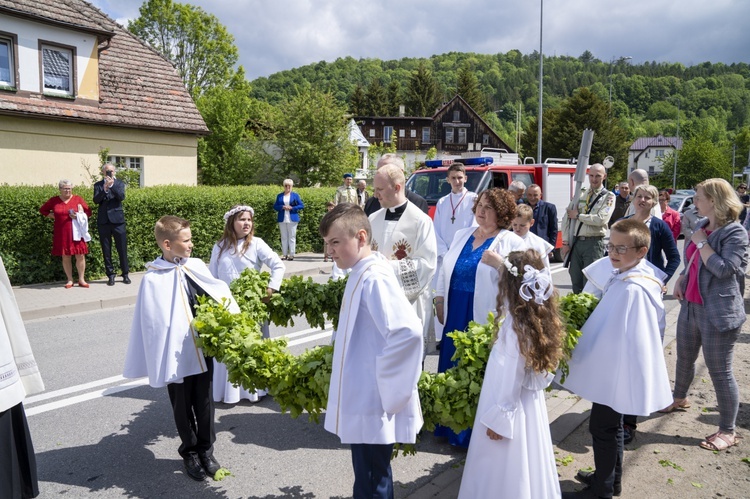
column 639, row 91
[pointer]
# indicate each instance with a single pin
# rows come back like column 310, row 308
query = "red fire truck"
column 556, row 178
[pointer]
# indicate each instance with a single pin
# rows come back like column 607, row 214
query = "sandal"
column 677, row 405
column 69, row 285
column 719, row 441
column 83, row 284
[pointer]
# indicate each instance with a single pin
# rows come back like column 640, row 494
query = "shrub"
column 26, row 236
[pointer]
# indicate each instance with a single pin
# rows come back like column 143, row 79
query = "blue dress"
column 460, row 312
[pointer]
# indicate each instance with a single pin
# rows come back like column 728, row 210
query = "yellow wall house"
column 73, row 82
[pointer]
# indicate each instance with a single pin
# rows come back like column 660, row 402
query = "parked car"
column 687, row 192
column 680, row 202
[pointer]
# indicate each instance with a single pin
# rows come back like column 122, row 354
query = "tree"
column 584, row 109
column 313, row 138
column 358, row 101
column 467, row 86
column 199, row 46
column 231, row 154
column 423, row 93
column 699, row 159
column 376, row 99
column 394, row 97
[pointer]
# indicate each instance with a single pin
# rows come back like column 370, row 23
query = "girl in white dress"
column 237, row 250
column 511, row 453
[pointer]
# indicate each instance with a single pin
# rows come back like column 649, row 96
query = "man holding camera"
column 108, row 194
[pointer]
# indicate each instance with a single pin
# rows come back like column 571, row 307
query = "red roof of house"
column 138, row 87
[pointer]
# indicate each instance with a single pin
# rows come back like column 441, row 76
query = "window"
column 485, row 139
column 660, row 153
column 126, row 162
column 449, row 136
column 426, row 135
column 7, row 68
column 456, row 115
column 57, row 70
column 372, row 132
column 462, row 136
column 387, row 133
column 402, row 133
column 413, row 133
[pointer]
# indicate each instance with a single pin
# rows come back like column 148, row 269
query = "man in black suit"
column 109, row 194
column 373, row 204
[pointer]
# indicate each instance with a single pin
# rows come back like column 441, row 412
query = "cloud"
column 283, row 34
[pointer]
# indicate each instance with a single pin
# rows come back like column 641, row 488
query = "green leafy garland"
column 300, row 383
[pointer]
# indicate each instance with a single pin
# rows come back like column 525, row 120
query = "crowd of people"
column 482, row 253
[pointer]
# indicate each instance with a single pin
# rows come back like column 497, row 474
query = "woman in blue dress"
column 468, row 282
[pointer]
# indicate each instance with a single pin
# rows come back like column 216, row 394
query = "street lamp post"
column 612, row 64
column 541, row 73
column 674, row 173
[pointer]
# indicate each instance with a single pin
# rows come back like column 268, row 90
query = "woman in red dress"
column 62, row 209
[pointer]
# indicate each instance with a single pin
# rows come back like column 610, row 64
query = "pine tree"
column 423, row 93
column 394, row 97
column 467, row 86
column 376, row 99
column 358, row 101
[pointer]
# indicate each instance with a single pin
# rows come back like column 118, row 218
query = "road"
column 99, row 435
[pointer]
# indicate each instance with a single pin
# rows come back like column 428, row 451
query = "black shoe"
column 193, row 467
column 111, row 281
column 628, row 433
column 126, row 279
column 587, row 477
column 210, row 464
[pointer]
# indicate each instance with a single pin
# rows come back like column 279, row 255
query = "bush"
column 26, row 236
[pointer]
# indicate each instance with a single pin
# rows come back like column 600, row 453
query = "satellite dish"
column 608, row 162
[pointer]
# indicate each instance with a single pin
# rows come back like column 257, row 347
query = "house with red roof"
column 648, row 153
column 74, row 82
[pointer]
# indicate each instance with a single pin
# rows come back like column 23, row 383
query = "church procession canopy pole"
column 580, row 175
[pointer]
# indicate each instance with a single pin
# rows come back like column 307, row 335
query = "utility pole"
column 541, row 74
column 677, row 140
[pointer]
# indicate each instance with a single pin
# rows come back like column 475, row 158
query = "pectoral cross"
column 453, row 219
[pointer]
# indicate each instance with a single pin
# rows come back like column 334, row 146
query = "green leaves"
column 300, row 384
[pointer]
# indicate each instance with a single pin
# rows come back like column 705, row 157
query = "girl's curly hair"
column 539, row 328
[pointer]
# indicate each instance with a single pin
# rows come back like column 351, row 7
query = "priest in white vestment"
column 405, row 235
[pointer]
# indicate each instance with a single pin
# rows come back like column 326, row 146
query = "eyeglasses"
column 620, row 250
column 66, row 188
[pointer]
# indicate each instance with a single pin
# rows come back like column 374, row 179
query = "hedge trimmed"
column 26, row 236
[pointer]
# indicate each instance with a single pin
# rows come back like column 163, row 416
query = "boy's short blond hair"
column 350, row 217
column 525, row 211
column 168, row 227
column 636, row 230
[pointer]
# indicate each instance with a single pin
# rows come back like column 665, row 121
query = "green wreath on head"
column 300, row 383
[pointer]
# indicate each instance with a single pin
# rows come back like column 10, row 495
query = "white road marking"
column 86, row 397
column 65, row 402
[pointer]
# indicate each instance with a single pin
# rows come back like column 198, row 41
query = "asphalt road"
column 99, row 435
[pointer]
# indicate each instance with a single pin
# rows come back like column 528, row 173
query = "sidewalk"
column 43, row 301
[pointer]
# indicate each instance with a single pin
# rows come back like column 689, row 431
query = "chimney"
column 401, row 110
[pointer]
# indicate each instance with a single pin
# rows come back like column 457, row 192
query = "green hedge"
column 26, row 236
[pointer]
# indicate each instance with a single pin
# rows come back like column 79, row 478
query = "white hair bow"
column 536, row 284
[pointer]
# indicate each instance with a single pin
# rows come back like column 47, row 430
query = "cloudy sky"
column 273, row 35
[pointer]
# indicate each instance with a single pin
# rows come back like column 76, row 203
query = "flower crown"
column 238, row 209
column 536, row 284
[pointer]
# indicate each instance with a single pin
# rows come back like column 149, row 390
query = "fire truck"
column 554, row 176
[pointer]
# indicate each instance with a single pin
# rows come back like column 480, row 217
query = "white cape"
column 521, row 465
column 162, row 339
column 619, row 359
column 19, row 373
column 377, row 360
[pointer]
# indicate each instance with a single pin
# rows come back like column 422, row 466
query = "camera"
column 110, row 173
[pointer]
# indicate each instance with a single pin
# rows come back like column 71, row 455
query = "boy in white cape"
column 618, row 363
column 163, row 342
column 377, row 356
